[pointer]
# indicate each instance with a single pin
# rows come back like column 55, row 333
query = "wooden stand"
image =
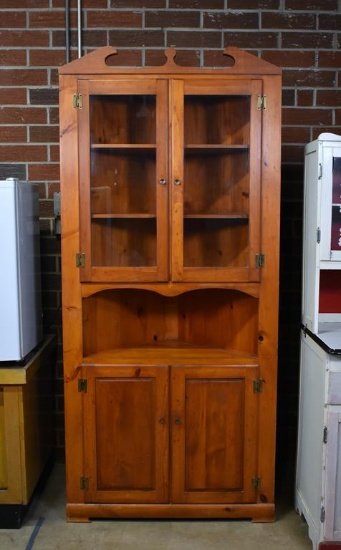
column 26, row 430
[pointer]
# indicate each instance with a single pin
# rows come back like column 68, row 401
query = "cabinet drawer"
column 334, row 389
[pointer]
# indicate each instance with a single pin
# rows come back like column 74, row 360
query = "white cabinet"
column 318, row 478
column 318, row 483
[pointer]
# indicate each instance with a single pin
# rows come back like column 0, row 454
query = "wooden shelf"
column 170, row 353
column 208, row 148
column 236, row 216
column 125, row 147
column 123, row 216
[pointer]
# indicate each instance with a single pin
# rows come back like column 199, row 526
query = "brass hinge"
column 77, row 101
column 325, row 434
column 256, row 483
column 260, row 260
column 80, row 259
column 258, row 386
column 84, row 483
column 262, row 103
column 82, row 385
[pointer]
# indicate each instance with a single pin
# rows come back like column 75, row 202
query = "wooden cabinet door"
column 123, row 134
column 126, row 434
column 214, row 434
column 215, row 180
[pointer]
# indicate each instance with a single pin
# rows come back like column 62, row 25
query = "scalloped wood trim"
column 94, row 63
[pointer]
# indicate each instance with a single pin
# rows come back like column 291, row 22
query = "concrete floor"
column 45, row 529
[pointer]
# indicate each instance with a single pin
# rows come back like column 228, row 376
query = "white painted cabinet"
column 318, row 479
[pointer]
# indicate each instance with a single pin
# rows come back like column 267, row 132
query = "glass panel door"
column 126, row 141
column 220, row 224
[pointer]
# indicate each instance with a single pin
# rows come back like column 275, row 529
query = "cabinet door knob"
column 162, row 181
column 177, row 182
column 178, row 420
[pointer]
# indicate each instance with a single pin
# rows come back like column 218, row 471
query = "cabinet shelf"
column 236, row 216
column 122, row 216
column 170, row 353
column 125, row 147
column 208, row 148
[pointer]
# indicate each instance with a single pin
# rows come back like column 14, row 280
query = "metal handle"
column 177, row 182
column 162, row 181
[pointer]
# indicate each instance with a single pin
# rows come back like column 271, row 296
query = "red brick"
column 25, row 115
column 26, row 153
column 289, row 58
column 255, row 4
column 194, row 39
column 150, row 4
column 329, row 22
column 22, row 4
column 307, row 40
column 47, row 19
column 330, row 59
column 12, row 19
column 273, row 20
column 255, row 38
column 306, row 117
column 54, row 153
column 24, row 39
column 117, row 19
column 293, row 77
column 237, row 20
column 312, row 5
column 44, row 134
column 12, row 134
column 171, row 19
column 329, row 98
column 288, row 97
column 49, row 58
column 12, row 96
column 294, row 153
column 22, row 77
column 10, row 58
column 305, row 98
column 54, row 115
column 295, row 134
column 51, row 189
column 136, row 38
column 197, row 4
column 44, row 172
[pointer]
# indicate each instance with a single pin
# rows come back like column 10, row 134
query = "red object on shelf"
column 330, row 291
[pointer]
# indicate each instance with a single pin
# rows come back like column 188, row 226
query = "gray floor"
column 45, row 529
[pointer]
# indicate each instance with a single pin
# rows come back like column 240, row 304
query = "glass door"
column 216, row 155
column 123, row 180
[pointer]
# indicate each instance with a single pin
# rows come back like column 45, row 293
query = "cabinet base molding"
column 258, row 513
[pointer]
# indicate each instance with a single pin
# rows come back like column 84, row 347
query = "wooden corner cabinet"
column 170, row 234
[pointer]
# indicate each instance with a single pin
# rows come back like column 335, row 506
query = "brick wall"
column 302, row 37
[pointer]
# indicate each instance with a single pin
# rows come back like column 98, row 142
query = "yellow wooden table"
column 26, row 429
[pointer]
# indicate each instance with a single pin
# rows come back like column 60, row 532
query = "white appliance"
column 20, row 287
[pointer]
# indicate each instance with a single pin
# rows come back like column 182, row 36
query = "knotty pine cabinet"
column 170, row 222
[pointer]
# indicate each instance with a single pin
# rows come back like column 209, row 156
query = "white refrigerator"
column 20, row 284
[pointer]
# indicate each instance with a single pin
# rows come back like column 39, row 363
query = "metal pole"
column 79, row 26
column 67, row 31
